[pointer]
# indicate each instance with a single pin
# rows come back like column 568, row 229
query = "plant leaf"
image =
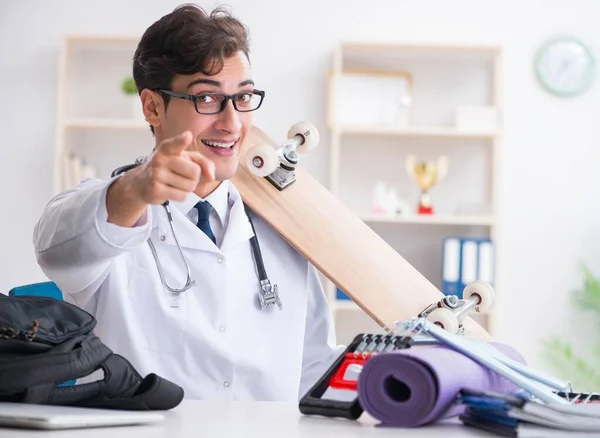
column 570, row 367
column 588, row 298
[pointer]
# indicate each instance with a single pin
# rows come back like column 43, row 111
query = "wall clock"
column 565, row 66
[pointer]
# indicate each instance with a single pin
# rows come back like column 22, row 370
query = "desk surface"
column 197, row 419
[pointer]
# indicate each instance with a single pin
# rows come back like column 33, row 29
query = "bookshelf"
column 450, row 105
column 95, row 119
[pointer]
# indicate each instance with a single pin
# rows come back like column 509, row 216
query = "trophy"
column 426, row 174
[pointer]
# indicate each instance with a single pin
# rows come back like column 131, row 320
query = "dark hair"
column 187, row 41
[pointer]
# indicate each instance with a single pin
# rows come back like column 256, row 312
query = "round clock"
column 565, row 66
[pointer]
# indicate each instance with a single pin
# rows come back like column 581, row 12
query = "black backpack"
column 46, row 343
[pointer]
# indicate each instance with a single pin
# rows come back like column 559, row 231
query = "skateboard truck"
column 278, row 164
column 450, row 311
column 269, row 294
column 284, row 174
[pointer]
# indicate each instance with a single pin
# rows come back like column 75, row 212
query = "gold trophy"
column 426, row 174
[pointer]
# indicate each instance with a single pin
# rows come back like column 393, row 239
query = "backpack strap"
column 74, row 358
column 122, row 388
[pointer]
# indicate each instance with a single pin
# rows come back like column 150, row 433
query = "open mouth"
column 219, row 144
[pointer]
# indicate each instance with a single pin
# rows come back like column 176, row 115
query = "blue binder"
column 340, row 295
column 465, row 260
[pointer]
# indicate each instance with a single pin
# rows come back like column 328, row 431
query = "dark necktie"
column 204, row 209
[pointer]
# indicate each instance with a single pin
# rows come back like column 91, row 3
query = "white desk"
column 198, row 419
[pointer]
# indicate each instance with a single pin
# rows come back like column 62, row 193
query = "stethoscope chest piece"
column 269, row 294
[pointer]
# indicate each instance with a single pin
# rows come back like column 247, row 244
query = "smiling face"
column 217, row 136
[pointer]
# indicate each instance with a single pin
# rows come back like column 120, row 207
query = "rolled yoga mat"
column 420, row 385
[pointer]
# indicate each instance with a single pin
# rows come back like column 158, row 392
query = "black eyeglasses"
column 214, row 103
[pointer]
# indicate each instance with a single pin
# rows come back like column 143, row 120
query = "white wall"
column 550, row 209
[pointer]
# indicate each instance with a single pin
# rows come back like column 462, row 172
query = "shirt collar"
column 219, row 199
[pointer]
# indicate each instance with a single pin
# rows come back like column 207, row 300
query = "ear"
column 152, row 106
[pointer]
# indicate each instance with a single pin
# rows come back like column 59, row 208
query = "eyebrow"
column 217, row 83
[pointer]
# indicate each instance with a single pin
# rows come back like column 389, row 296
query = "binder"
column 485, row 269
column 465, row 260
column 340, row 295
column 519, row 415
column 451, row 266
column 468, row 269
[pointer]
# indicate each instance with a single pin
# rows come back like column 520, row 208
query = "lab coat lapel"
column 239, row 229
column 188, row 234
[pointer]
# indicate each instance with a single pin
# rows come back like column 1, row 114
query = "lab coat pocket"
column 161, row 327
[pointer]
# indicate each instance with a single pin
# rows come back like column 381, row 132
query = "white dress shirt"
column 217, row 343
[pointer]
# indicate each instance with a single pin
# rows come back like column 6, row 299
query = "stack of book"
column 515, row 415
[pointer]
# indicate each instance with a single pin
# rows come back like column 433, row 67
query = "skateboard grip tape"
column 420, row 385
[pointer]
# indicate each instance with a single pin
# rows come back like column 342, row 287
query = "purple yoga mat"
column 419, row 385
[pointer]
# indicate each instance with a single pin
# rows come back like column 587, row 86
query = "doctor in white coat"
column 193, row 72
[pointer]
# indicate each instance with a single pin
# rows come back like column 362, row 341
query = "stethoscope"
column 268, row 294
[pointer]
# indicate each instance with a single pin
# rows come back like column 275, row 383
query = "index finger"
column 175, row 145
column 207, row 167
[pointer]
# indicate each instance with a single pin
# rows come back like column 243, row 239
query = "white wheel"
column 483, row 291
column 308, row 132
column 262, row 160
column 445, row 318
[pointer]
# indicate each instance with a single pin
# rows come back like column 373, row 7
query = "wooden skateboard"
column 338, row 243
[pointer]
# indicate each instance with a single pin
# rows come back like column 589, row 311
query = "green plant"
column 128, row 86
column 580, row 371
column 588, row 298
column 583, row 373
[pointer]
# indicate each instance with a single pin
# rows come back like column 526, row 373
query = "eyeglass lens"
column 212, row 103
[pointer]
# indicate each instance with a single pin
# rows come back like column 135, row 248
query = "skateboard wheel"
column 308, row 132
column 262, row 160
column 484, row 291
column 445, row 318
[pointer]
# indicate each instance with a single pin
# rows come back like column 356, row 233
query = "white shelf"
column 345, row 305
column 469, row 75
column 106, row 123
column 419, row 49
column 102, row 39
column 433, row 220
column 439, row 132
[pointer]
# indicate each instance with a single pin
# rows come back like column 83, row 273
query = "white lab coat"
column 218, row 343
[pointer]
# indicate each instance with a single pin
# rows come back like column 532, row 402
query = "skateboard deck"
column 339, row 244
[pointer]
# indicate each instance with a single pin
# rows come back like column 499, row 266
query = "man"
column 193, row 73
